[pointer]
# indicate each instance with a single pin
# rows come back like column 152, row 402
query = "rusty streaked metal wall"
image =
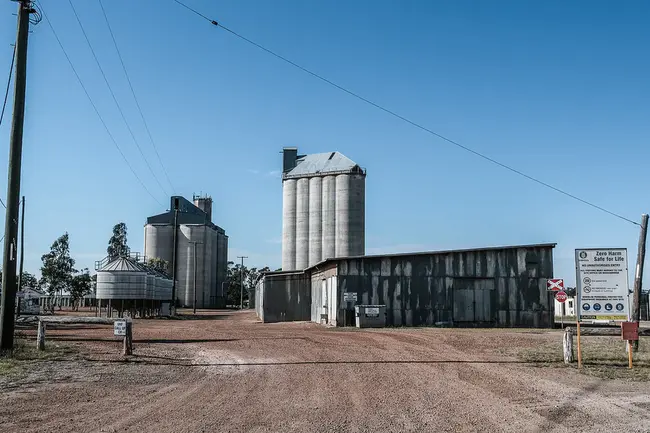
column 503, row 287
column 283, row 297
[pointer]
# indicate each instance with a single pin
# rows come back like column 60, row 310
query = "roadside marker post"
column 578, row 341
column 561, row 297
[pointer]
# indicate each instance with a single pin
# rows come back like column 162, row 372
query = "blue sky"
column 559, row 91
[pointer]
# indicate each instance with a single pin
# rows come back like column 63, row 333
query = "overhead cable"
column 404, row 119
column 119, row 108
column 11, row 71
column 137, row 103
column 101, row 119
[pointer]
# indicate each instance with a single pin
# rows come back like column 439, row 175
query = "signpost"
column 119, row 328
column 555, row 285
column 561, row 297
column 602, row 285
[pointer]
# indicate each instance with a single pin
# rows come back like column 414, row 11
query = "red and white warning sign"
column 556, row 285
column 560, row 297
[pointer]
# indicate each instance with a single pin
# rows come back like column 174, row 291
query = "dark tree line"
column 251, row 277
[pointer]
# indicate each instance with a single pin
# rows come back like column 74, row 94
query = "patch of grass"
column 602, row 357
column 25, row 353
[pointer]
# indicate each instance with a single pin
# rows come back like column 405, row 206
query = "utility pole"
column 19, row 286
column 22, row 244
column 638, row 276
column 194, row 304
column 241, row 282
column 172, row 305
column 13, row 184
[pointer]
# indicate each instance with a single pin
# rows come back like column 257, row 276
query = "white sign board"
column 372, row 311
column 119, row 328
column 602, row 284
column 349, row 297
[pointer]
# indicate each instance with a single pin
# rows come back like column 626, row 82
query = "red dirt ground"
column 224, row 371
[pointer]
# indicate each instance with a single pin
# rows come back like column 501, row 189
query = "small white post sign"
column 119, row 328
column 602, row 286
column 350, row 296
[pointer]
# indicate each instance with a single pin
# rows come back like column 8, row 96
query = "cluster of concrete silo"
column 195, row 248
column 323, row 208
column 126, row 284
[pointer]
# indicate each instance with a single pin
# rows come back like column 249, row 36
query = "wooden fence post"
column 128, row 339
column 568, row 345
column 40, row 338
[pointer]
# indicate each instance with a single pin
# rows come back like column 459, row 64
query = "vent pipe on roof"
column 289, row 158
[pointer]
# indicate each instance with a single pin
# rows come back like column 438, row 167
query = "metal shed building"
column 498, row 286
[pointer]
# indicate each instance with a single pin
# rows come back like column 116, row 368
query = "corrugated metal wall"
column 495, row 287
column 284, row 297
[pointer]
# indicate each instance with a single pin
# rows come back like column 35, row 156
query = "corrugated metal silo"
column 121, row 279
column 315, row 220
column 289, row 187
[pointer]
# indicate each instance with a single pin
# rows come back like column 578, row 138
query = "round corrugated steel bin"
column 121, row 278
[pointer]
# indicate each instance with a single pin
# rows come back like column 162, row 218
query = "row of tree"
column 234, row 278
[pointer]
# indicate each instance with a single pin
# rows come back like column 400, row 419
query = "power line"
column 101, row 119
column 11, row 70
column 404, row 119
column 110, row 89
column 137, row 103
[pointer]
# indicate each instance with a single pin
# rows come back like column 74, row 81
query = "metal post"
column 241, row 282
column 638, row 277
column 7, row 319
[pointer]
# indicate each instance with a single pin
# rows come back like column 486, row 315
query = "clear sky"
column 559, row 90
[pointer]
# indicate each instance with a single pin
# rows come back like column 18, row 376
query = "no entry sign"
column 560, row 296
column 556, row 285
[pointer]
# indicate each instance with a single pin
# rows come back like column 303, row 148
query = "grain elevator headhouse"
column 323, row 208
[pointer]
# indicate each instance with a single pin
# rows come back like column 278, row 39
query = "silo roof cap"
column 321, row 163
column 121, row 264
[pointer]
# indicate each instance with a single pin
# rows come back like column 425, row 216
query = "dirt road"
column 228, row 373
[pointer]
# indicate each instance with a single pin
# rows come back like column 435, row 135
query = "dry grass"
column 602, row 357
column 25, row 353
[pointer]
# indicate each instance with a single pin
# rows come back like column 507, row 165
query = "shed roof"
column 318, row 163
column 430, row 253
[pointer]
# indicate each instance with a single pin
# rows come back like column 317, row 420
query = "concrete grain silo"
column 193, row 229
column 323, row 208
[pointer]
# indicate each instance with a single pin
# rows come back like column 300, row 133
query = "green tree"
column 159, row 264
column 80, row 286
column 251, row 278
column 117, row 245
column 28, row 281
column 58, row 266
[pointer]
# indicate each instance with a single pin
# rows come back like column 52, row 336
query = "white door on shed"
column 332, row 300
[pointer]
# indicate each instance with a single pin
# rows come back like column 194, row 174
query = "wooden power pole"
column 638, row 276
column 195, row 262
column 9, row 282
